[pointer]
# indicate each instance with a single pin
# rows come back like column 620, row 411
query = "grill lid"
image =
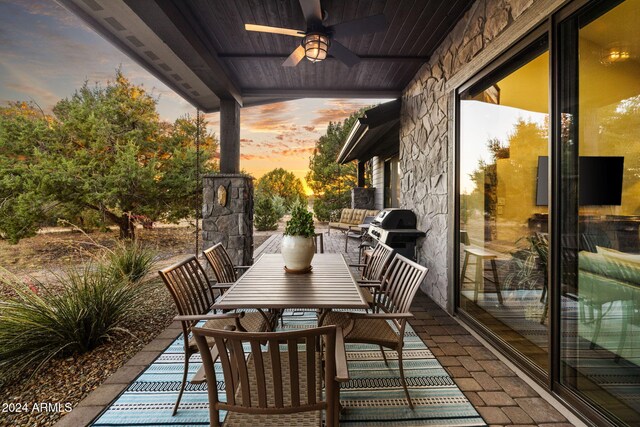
column 394, row 218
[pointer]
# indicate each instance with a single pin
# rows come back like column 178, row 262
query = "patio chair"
column 318, row 242
column 373, row 270
column 391, row 307
column 194, row 295
column 221, row 263
column 356, row 232
column 275, row 387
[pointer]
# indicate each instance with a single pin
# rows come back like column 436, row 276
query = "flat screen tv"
column 600, row 181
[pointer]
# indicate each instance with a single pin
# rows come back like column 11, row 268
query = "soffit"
column 200, row 48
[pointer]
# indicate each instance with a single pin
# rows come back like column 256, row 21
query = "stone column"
column 227, row 215
column 363, row 198
column 229, row 136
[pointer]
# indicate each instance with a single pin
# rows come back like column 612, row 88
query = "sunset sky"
column 46, row 53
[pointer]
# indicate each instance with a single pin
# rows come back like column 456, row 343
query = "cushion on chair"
column 372, row 213
column 611, row 267
column 252, row 322
column 358, row 216
column 375, row 331
column 311, row 418
column 619, row 256
column 346, row 215
column 339, row 225
column 367, row 295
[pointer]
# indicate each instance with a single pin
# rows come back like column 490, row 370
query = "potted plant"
column 297, row 244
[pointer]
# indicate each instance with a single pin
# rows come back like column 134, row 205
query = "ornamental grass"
column 82, row 309
column 131, row 260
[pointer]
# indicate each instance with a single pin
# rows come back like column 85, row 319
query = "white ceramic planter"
column 297, row 252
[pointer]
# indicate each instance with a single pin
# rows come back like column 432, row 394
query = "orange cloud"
column 253, row 157
column 337, row 111
column 270, row 118
column 295, row 151
column 270, row 108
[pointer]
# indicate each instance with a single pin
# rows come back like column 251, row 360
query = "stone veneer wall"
column 426, row 124
column 362, row 198
column 231, row 224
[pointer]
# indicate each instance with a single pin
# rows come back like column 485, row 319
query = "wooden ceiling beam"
column 178, row 30
column 367, row 58
column 320, row 93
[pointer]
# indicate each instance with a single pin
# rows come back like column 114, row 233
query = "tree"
column 332, row 182
column 508, row 175
column 265, row 215
column 485, row 176
column 23, row 130
column 104, row 150
column 280, row 182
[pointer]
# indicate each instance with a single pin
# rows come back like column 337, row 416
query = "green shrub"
column 328, row 202
column 131, row 261
column 280, row 206
column 40, row 322
column 321, row 209
column 19, row 216
column 265, row 216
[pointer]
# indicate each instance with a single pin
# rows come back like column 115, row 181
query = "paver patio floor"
column 495, row 390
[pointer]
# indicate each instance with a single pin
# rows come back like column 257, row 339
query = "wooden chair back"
column 271, row 382
column 378, row 262
column 189, row 287
column 400, row 284
column 221, row 263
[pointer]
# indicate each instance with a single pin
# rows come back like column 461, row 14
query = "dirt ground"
column 71, row 379
column 57, row 248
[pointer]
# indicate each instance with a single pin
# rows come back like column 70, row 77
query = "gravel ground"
column 67, row 381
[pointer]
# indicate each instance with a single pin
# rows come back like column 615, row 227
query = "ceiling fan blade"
column 274, row 30
column 311, row 10
column 295, row 57
column 339, row 51
column 370, row 24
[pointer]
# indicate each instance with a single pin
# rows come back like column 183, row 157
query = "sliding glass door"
column 503, row 167
column 599, row 160
column 564, row 301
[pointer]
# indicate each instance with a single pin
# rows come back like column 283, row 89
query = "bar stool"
column 480, row 256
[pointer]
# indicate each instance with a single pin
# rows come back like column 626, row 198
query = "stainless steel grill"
column 397, row 229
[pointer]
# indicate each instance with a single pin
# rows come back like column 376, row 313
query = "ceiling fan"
column 319, row 40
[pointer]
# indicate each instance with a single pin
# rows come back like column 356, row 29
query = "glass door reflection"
column 503, row 213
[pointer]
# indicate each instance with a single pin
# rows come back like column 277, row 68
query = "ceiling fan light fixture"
column 316, row 46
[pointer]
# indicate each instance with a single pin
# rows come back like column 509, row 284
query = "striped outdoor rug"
column 373, row 397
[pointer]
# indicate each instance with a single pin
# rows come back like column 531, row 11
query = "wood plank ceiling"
column 208, row 36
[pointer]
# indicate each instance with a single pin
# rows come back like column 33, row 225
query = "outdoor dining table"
column 266, row 285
